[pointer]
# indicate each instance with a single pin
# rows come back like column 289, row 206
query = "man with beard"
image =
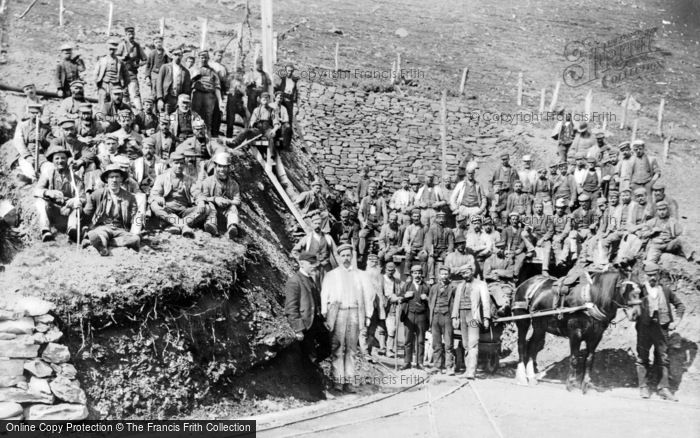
column 284, row 133
column 263, row 121
column 165, row 143
column 491, row 231
column 653, row 326
column 542, row 191
column 182, row 119
column 391, row 238
column 173, row 82
column 234, row 102
column 57, row 204
column 439, row 241
column 645, row 169
column 664, row 236
column 85, row 127
column 505, row 172
column 346, row 230
column 113, row 212
column 440, row 304
column 462, row 227
column 147, row 167
column 519, row 201
column 257, row 82
column 206, row 94
column 620, row 223
column 561, row 245
column 498, row 274
column 131, row 53
column 202, row 145
column 288, row 87
column 318, row 243
column 592, row 180
column 528, row 175
column 564, row 186
column 343, row 307
column 108, row 113
column 479, row 243
column 414, row 240
column 220, row 195
column 302, row 307
column 146, row 120
column 515, row 244
column 459, row 260
column 429, row 199
column 155, row 60
column 538, row 234
column 76, row 98
column 375, row 303
column 129, row 140
column 471, row 310
column 82, row 156
column 468, row 198
column 171, row 199
column 374, row 204
column 110, row 72
column 68, row 70
column 414, row 315
column 658, row 194
column 584, row 139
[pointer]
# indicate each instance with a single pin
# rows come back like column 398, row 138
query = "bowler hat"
column 57, row 148
column 308, row 257
column 112, row 168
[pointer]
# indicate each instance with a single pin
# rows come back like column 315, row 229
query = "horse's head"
column 629, row 291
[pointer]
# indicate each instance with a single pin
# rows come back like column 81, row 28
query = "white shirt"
column 343, row 286
column 177, row 71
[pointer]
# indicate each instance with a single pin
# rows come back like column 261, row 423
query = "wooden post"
column 266, row 37
column 60, row 12
column 398, row 68
column 624, row 111
column 239, row 47
column 605, row 123
column 393, row 72
column 660, row 119
column 203, row 44
column 443, row 131
column 109, row 20
column 520, row 89
column 635, row 125
column 162, row 27
column 555, row 96
column 587, row 104
column 462, row 84
column 667, row 147
column 543, row 94
column 275, row 43
column 337, row 48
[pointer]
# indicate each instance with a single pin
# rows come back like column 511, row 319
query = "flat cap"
column 638, row 143
column 580, row 155
column 658, row 186
column 184, row 98
column 471, row 167
column 77, row 83
column 640, row 191
column 601, row 201
column 372, row 256
column 584, row 197
column 65, row 46
column 460, row 239
column 527, row 157
column 476, row 218
column 651, row 268
column 416, row 268
column 390, row 265
column 513, row 213
column 440, row 213
column 624, row 145
column 344, row 247
column 505, row 156
column 445, row 268
column 591, row 160
column 662, row 203
column 308, row 257
column 176, row 156
column 500, row 243
column 344, row 213
column 460, row 217
column 66, row 122
column 561, row 202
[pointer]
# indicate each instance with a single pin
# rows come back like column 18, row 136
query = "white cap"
column 527, row 157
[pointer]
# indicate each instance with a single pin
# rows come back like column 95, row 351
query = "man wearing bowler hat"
column 414, row 315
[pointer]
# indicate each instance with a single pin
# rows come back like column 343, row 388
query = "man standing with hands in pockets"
column 343, row 307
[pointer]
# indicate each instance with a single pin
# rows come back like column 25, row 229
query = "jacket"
column 164, row 84
column 460, row 190
column 97, row 202
column 480, row 299
column 301, row 298
column 138, row 166
column 415, row 304
column 101, row 69
column 665, row 315
column 163, row 187
column 432, row 298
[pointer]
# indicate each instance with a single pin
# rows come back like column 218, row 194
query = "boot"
column 642, row 381
column 666, row 394
column 644, row 392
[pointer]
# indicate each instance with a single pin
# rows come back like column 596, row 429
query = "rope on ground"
column 483, row 406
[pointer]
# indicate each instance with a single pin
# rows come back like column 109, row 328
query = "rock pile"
column 347, row 129
column 36, row 380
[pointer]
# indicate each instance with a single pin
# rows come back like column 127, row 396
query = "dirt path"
column 496, row 408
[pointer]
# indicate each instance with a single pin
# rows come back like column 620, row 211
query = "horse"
column 607, row 291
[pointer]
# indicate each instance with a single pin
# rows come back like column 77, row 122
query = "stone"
column 53, row 335
column 39, row 338
column 9, row 315
column 42, row 328
column 44, row 319
column 11, row 367
column 7, row 336
column 63, row 411
column 18, row 395
column 8, row 381
column 10, row 409
column 39, row 386
column 19, row 326
column 38, row 368
column 65, row 370
column 68, row 390
column 33, row 306
column 56, row 353
column 18, row 349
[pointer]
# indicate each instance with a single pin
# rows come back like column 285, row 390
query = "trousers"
column 49, row 214
column 204, row 104
column 177, row 215
column 655, row 335
column 219, row 216
column 373, row 335
column 469, row 329
column 316, row 344
column 415, row 326
column 346, row 331
column 109, row 235
column 443, row 350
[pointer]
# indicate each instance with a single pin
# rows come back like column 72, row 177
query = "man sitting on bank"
column 220, row 195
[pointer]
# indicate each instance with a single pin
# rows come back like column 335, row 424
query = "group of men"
column 145, row 155
column 449, row 255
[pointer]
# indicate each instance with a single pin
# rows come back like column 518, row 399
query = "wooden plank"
column 203, row 43
column 463, row 83
column 266, row 37
column 588, row 104
column 443, row 132
column 624, row 111
column 660, row 119
column 109, row 19
column 555, row 96
column 543, row 93
column 337, row 48
column 283, row 194
column 520, row 89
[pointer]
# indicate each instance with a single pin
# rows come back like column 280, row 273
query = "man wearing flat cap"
column 658, row 194
column 645, row 169
column 206, row 94
column 146, row 120
column 302, row 307
column 343, row 307
column 468, row 197
column 402, row 201
column 538, row 233
column 71, row 104
column 319, row 243
column 505, row 172
column 439, row 241
column 429, row 199
column 584, row 139
column 56, row 202
column 391, row 238
column 110, row 71
column 375, row 302
column 479, row 243
column 113, row 211
column 133, row 56
column 86, row 128
column 346, row 230
column 311, row 202
column 515, row 243
column 25, row 142
column 129, row 140
column 155, row 59
column 663, row 234
column 624, row 166
column 373, row 204
column 31, row 97
column 564, row 132
column 203, row 146
column 564, row 186
column 165, row 143
column 459, row 260
column 414, row 241
column 263, row 121
column 82, row 156
column 528, row 175
column 498, row 274
column 220, row 195
column 414, row 315
column 287, row 84
column 172, row 82
column 108, row 112
column 68, row 70
column 148, row 166
column 654, row 323
column 519, row 201
column 591, row 182
column 471, row 310
column 182, row 120
column 440, row 303
column 171, row 199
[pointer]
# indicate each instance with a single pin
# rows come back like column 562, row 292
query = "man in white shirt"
column 343, row 307
column 402, row 201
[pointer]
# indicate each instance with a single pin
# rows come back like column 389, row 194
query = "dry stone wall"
column 347, row 129
column 37, row 382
